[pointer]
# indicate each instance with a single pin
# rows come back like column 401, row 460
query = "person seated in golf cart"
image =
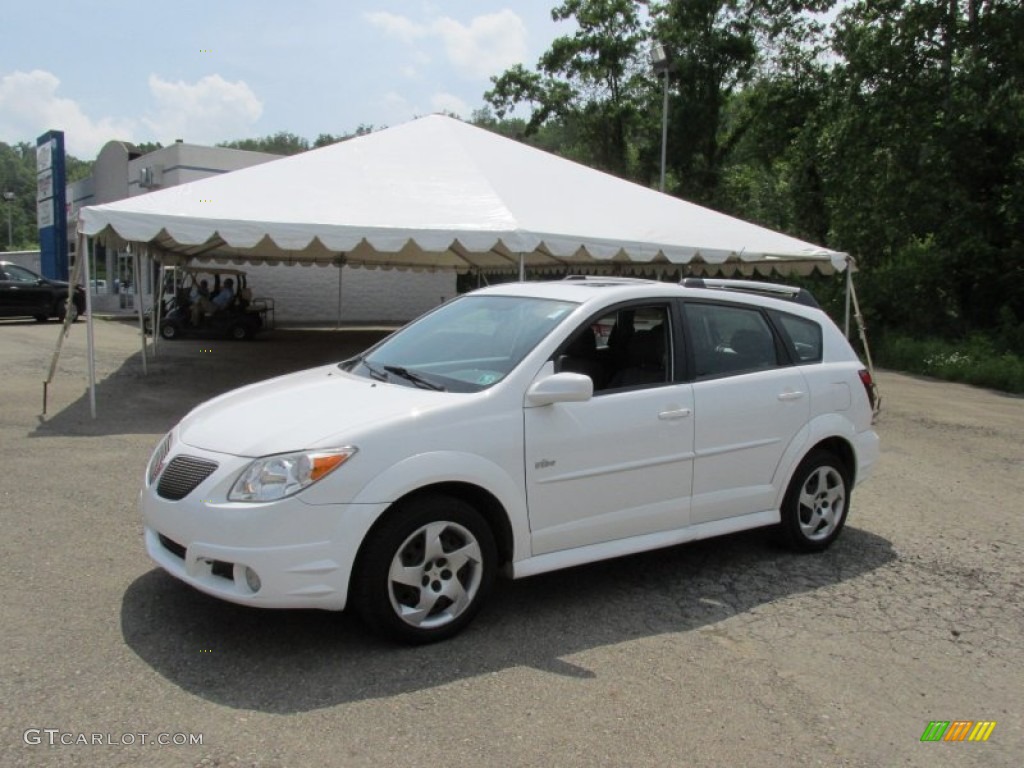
column 221, row 300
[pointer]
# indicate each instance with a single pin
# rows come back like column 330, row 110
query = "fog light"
column 252, row 580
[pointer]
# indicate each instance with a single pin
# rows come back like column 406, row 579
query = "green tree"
column 18, row 177
column 719, row 50
column 922, row 146
column 280, row 143
column 590, row 84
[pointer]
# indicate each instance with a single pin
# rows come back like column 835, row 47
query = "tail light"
column 871, row 389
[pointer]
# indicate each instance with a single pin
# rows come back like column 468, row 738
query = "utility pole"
column 9, row 199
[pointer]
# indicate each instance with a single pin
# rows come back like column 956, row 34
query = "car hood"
column 319, row 408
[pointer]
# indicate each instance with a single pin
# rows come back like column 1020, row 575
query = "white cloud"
column 486, row 46
column 396, row 26
column 447, row 102
column 208, row 111
column 30, row 106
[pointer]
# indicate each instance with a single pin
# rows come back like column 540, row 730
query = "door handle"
column 675, row 413
column 791, row 396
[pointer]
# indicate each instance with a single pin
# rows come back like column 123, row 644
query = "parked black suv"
column 24, row 293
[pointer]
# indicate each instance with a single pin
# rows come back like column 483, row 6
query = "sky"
column 219, row 70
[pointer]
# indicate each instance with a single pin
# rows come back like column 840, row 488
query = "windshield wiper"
column 375, row 373
column 415, row 378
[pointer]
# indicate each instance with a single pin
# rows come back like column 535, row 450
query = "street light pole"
column 660, row 64
column 664, row 132
column 9, row 199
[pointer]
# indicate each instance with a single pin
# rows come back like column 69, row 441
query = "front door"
column 619, row 464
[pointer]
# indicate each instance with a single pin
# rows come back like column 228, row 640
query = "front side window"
column 625, row 348
column 728, row 339
column 464, row 346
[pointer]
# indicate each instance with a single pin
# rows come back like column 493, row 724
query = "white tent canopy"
column 437, row 193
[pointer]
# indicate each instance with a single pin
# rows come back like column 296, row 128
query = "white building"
column 302, row 294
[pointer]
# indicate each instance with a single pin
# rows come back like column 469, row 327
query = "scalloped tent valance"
column 436, row 193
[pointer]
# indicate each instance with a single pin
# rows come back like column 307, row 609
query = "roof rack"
column 773, row 290
column 608, row 280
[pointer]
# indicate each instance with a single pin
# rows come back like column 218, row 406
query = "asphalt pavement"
column 731, row 652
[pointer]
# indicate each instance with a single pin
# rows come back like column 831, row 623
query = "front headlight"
column 156, row 461
column 274, row 477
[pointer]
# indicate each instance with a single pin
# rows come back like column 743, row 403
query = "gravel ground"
column 723, row 653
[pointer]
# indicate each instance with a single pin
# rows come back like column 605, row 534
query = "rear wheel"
column 169, row 331
column 816, row 503
column 426, row 570
column 240, row 332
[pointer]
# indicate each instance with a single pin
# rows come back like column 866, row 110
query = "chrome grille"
column 182, row 475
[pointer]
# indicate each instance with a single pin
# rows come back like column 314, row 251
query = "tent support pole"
column 139, row 294
column 341, row 263
column 522, row 267
column 849, row 292
column 158, row 305
column 90, row 341
column 861, row 329
column 73, row 280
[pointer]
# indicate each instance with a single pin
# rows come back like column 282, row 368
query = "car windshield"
column 466, row 345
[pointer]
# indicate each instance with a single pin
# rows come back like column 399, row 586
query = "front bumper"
column 302, row 554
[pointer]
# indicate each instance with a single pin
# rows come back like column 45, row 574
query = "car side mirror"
column 560, row 388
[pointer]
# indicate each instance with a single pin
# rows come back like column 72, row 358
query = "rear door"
column 750, row 404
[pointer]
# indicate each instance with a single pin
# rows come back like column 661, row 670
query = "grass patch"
column 975, row 360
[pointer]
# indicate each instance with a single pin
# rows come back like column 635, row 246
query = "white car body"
column 564, row 478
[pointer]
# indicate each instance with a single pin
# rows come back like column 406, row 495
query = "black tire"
column 817, row 502
column 240, row 332
column 41, row 318
column 169, row 331
column 447, row 552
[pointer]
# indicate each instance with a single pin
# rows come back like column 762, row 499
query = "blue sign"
column 51, row 208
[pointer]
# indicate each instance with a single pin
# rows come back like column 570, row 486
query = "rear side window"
column 728, row 339
column 805, row 335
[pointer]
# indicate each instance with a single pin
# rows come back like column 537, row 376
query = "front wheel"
column 425, row 570
column 816, row 503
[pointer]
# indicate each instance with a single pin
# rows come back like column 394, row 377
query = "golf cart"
column 185, row 315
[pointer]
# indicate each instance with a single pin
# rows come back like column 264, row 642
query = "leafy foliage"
column 590, row 83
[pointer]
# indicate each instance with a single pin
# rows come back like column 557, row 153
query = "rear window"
column 805, row 335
